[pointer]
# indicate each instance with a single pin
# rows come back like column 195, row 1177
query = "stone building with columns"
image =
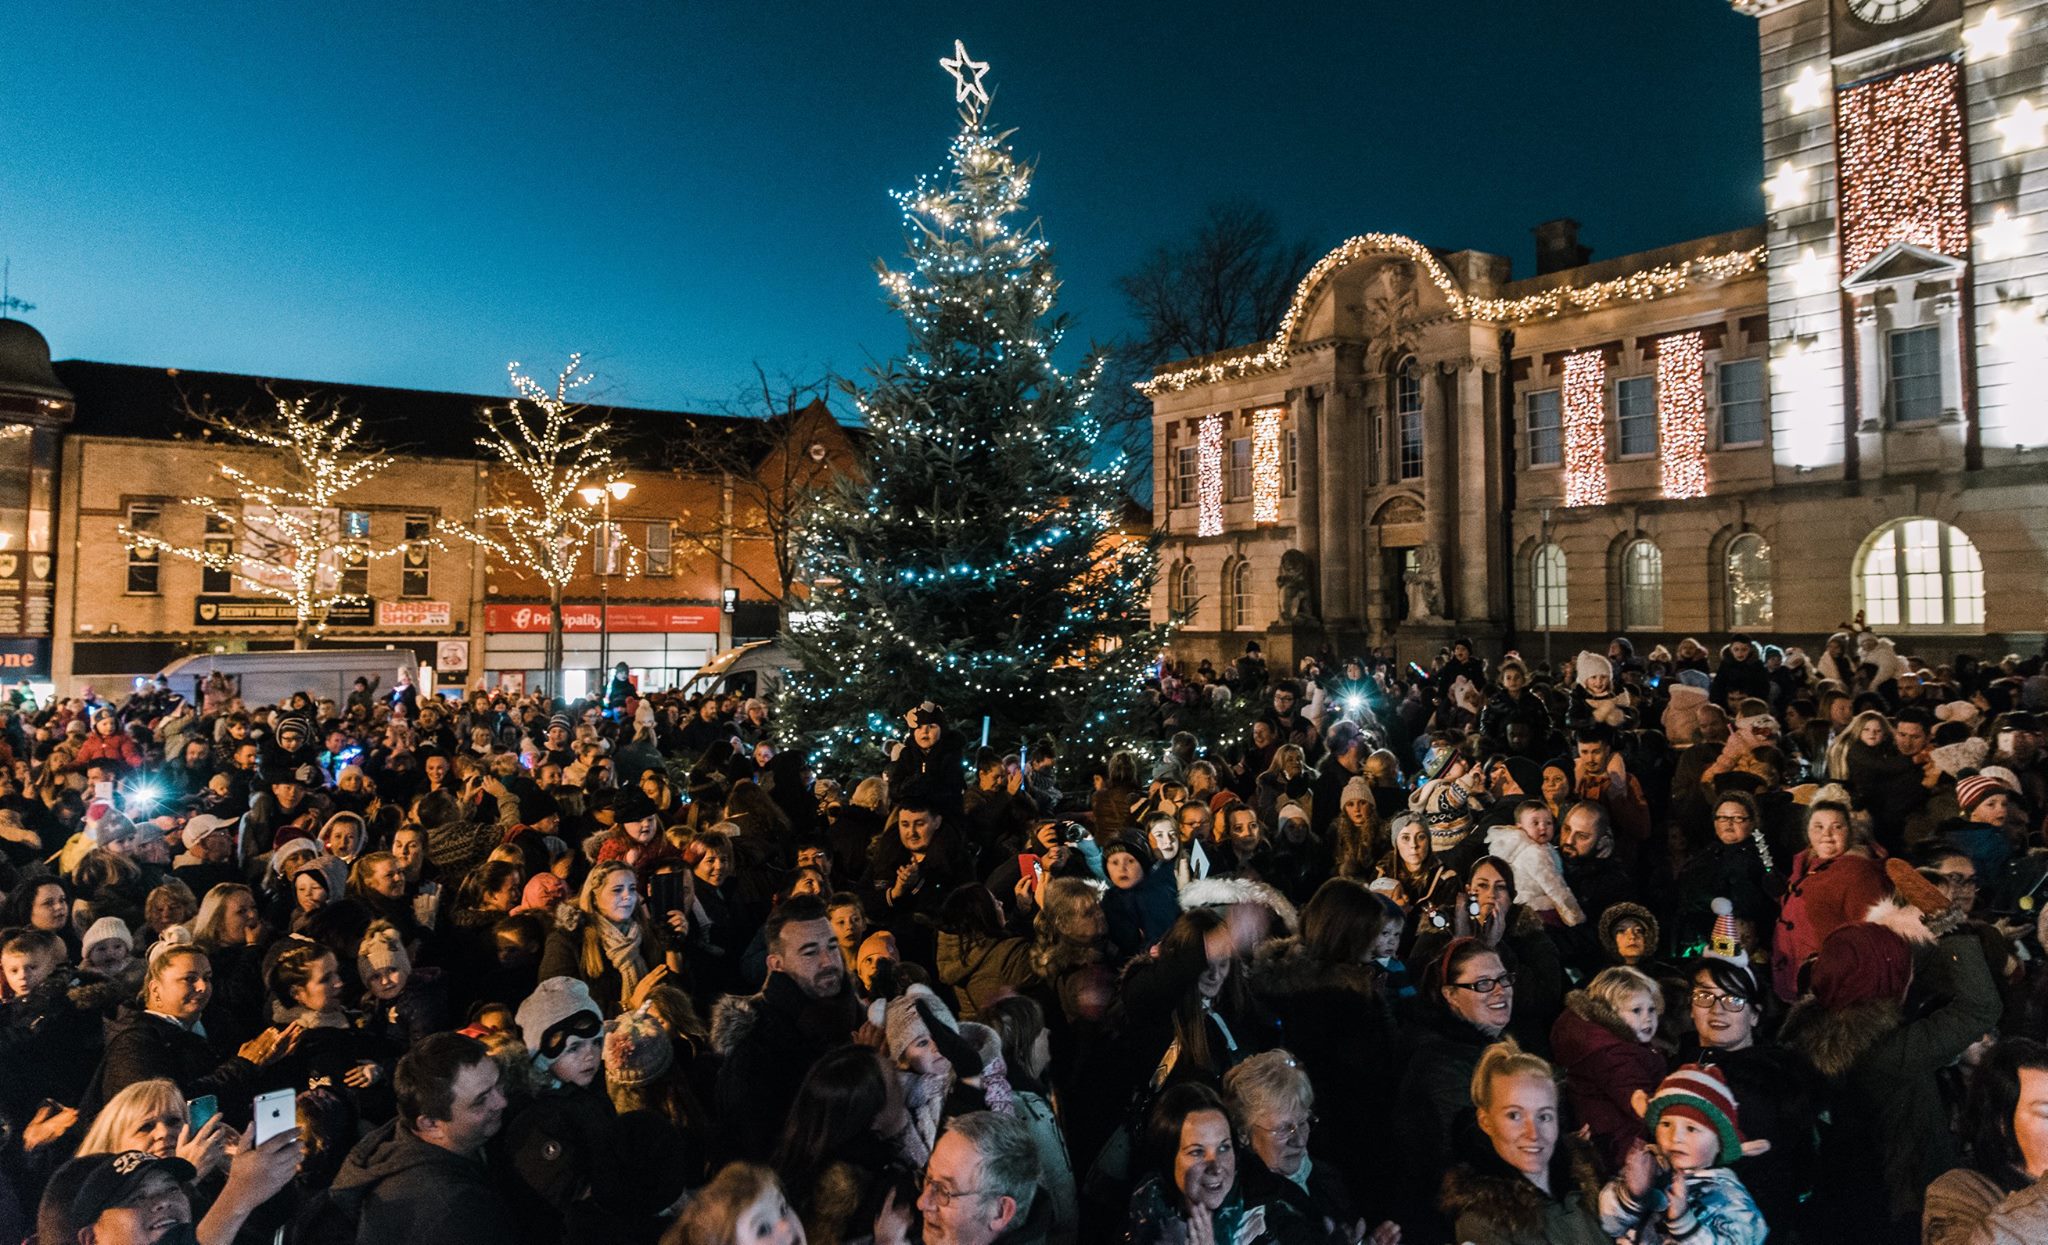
column 1842, row 409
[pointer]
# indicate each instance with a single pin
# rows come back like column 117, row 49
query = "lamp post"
column 602, row 495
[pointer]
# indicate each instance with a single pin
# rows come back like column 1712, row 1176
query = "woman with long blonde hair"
column 152, row 1116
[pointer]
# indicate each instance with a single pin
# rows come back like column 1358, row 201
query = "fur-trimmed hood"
column 1488, row 1188
column 1223, row 892
column 1903, row 919
column 733, row 1017
column 1833, row 1042
column 1283, row 968
column 1596, row 1011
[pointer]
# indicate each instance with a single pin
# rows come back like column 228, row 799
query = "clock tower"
column 1906, row 201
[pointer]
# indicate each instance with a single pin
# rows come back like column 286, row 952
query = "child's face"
column 1539, row 826
column 1599, row 685
column 1124, row 870
column 25, row 972
column 108, row 956
column 1631, row 941
column 1388, row 944
column 1687, row 1144
column 922, row 1057
column 1640, row 1015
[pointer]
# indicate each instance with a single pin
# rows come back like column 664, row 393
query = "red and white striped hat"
column 1974, row 790
column 1700, row 1094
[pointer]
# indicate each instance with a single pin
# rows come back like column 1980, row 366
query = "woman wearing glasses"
column 1774, row 1089
column 1737, row 866
column 1273, row 1106
column 1474, row 1000
column 1190, row 1194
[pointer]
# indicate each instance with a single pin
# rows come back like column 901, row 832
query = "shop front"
column 662, row 645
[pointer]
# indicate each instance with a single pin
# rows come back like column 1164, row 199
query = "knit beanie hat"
column 106, row 825
column 637, row 1049
column 554, row 1003
column 106, row 929
column 381, row 948
column 1356, row 789
column 1977, row 788
column 1682, row 715
column 1699, row 1094
column 1858, row 963
column 1611, row 920
column 1588, row 664
column 904, row 1026
column 1969, row 753
column 1527, row 775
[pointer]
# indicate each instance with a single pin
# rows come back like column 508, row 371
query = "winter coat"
column 1718, row 1211
column 1958, row 1204
column 557, row 1147
column 1337, row 1020
column 407, row 1189
column 142, row 1047
column 1889, row 1135
column 1139, row 917
column 1734, row 872
column 1539, row 872
column 1490, row 1203
column 1056, row 1186
column 982, row 970
column 562, row 956
column 1738, row 679
column 1157, row 1218
column 1433, row 1121
column 117, row 747
column 1604, row 1065
column 2021, row 1219
column 1776, row 1095
column 1886, row 784
column 1504, row 710
column 769, row 1041
column 1820, row 898
column 50, row 1041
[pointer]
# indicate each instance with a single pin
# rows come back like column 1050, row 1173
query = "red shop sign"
column 624, row 618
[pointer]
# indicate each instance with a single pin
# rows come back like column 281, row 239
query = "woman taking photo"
column 1534, row 1185
column 1189, row 1194
column 153, row 1117
column 613, row 948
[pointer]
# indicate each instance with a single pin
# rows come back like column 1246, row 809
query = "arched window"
column 1546, row 587
column 1241, row 594
column 1181, row 592
column 1921, row 573
column 1749, row 581
column 1226, row 598
column 1642, row 585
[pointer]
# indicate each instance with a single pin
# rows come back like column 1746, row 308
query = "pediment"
column 1902, row 263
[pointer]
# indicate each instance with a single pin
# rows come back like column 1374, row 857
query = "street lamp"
column 602, row 495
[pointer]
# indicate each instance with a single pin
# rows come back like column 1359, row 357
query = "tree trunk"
column 554, row 655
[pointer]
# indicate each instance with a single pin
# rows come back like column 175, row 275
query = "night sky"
column 411, row 194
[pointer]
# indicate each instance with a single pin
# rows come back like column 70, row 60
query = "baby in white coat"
column 1528, row 846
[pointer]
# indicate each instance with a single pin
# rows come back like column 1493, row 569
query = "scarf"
column 924, row 1101
column 622, row 949
column 995, row 1087
column 282, row 1015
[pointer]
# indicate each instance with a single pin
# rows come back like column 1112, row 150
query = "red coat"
column 115, row 747
column 1821, row 898
column 1604, row 1065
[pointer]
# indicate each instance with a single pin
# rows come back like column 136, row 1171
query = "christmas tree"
column 978, row 560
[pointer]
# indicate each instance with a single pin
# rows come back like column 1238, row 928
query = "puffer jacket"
column 982, row 970
column 1604, row 1065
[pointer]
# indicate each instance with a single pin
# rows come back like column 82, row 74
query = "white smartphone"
column 276, row 1112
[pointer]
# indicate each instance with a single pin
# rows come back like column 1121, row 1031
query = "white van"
column 269, row 678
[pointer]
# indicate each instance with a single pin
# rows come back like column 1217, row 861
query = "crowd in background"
column 1685, row 945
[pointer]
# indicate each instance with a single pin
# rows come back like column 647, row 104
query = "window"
column 219, row 543
column 1408, row 414
column 1240, row 468
column 1922, row 573
column 1240, row 599
column 1187, row 466
column 1636, row 400
column 1546, row 587
column 1642, row 585
column 355, row 570
column 1749, row 581
column 1742, row 402
column 1915, row 356
column 415, row 573
column 144, row 564
column 660, row 550
column 607, row 540
column 1290, row 469
column 1546, row 431
column 1181, row 591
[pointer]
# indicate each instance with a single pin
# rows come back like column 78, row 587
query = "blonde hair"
column 118, row 1120
column 1616, row 986
column 1505, row 1059
column 1838, row 752
column 712, row 1217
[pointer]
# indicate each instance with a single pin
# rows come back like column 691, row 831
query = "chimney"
column 1557, row 246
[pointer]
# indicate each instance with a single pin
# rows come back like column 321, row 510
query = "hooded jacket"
column 769, row 1041
column 409, row 1189
column 1490, row 1203
column 1604, row 1065
column 1820, row 897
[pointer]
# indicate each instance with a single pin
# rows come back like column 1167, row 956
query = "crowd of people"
column 1679, row 946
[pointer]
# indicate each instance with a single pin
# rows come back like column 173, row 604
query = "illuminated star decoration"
column 1806, row 92
column 1788, row 187
column 962, row 66
column 2023, row 128
column 1991, row 36
column 1812, row 274
column 2003, row 237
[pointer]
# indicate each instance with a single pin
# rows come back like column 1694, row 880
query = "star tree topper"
column 967, row 74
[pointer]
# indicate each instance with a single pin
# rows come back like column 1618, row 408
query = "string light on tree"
column 1682, row 414
column 2023, row 127
column 1789, row 188
column 1812, row 274
column 1266, row 465
column 1904, row 178
column 1585, row 428
column 1809, row 90
column 1209, row 477
column 1991, row 36
column 2004, row 236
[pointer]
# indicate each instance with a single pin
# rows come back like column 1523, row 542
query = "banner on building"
column 24, row 659
column 627, row 619
column 451, row 655
column 414, row 613
column 256, row 611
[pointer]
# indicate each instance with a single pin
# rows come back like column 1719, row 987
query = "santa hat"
column 1977, row 788
column 1700, row 1094
column 1589, row 663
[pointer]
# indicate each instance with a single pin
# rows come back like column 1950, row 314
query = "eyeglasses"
column 1720, row 817
column 1961, row 881
column 1487, row 985
column 1730, row 1003
column 944, row 1196
column 1288, row 1133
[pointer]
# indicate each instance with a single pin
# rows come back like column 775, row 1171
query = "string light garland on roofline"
column 1585, row 428
column 1682, row 413
column 1266, row 465
column 1209, row 491
column 1643, row 285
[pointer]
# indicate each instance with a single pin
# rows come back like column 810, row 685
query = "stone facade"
column 1839, row 410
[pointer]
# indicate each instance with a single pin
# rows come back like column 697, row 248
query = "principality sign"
column 256, row 611
column 414, row 613
column 641, row 619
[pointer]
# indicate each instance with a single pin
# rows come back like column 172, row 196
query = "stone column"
column 1439, row 490
column 1948, row 315
column 1478, row 503
column 1308, row 461
column 1337, row 426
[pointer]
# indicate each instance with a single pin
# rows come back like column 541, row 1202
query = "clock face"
column 1885, row 12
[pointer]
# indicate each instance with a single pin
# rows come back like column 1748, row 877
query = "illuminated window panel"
column 1903, row 173
column 1923, row 573
column 1585, row 428
column 1209, row 447
column 1546, row 585
column 1408, row 409
column 1240, row 468
column 1682, row 414
column 1266, row 466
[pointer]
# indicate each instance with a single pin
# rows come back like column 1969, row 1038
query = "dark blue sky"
column 411, row 194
